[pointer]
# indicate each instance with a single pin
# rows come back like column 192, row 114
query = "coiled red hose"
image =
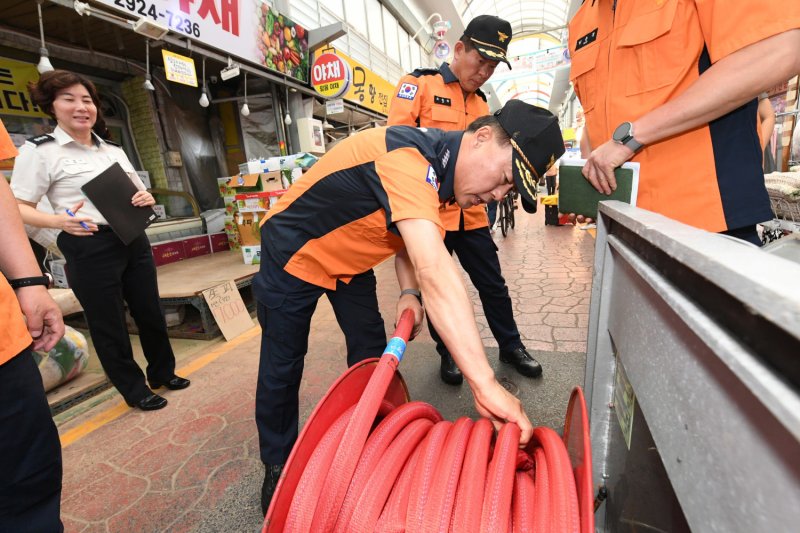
column 381, row 467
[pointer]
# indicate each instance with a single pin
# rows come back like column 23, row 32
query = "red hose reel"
column 370, row 460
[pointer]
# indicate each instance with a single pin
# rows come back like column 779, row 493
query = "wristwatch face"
column 622, row 133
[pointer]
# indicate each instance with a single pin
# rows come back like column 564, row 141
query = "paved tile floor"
column 194, row 467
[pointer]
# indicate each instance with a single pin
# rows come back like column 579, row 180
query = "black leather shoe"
column 522, row 361
column 449, row 371
column 271, row 476
column 151, row 402
column 175, row 383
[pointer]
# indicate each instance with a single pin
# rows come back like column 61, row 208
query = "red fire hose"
column 368, row 460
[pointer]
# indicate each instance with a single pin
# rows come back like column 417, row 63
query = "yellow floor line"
column 112, row 413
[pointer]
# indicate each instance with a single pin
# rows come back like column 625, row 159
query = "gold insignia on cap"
column 527, row 179
column 525, row 171
column 476, row 41
column 502, row 36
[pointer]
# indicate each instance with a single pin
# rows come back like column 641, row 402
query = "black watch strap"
column 18, row 283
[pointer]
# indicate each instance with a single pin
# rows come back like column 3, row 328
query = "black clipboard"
column 111, row 192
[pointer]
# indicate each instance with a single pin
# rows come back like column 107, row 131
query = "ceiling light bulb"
column 287, row 119
column 204, row 100
column 148, row 84
column 245, row 110
column 44, row 62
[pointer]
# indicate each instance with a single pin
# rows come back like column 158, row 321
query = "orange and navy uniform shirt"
column 629, row 57
column 340, row 219
column 432, row 98
column 14, row 336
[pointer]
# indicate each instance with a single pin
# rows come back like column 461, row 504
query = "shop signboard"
column 14, row 96
column 366, row 88
column 330, row 75
column 179, row 69
column 334, row 106
column 249, row 30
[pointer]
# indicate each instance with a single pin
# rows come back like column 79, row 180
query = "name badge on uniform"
column 407, row 91
column 441, row 100
column 587, row 39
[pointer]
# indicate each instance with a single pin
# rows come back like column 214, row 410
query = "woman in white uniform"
column 103, row 272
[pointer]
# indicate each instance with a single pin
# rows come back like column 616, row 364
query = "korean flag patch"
column 407, row 91
column 432, row 179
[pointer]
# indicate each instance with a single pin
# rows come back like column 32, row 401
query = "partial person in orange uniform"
column 30, row 452
column 450, row 98
column 672, row 84
column 372, row 196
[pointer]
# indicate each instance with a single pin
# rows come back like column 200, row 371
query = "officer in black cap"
column 490, row 35
column 450, row 98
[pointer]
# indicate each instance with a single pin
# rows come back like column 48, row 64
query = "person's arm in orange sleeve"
column 450, row 310
column 42, row 314
column 405, row 111
column 728, row 84
column 407, row 280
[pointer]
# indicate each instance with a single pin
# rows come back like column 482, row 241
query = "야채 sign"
column 330, row 75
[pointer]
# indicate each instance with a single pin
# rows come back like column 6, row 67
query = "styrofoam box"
column 59, row 272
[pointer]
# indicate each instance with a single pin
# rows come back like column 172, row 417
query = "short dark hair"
column 469, row 46
column 490, row 120
column 44, row 92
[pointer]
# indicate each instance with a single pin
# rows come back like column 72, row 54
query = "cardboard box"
column 257, row 201
column 251, row 255
column 219, row 242
column 259, row 182
column 168, row 252
column 196, row 246
column 222, row 185
column 247, row 224
column 58, row 268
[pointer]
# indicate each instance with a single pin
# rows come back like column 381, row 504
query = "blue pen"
column 83, row 224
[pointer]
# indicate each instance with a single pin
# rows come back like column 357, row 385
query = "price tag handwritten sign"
column 228, row 308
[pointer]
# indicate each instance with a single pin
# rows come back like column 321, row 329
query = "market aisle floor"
column 194, row 466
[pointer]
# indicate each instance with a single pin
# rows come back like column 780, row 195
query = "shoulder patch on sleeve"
column 425, row 72
column 432, row 179
column 407, row 91
column 481, row 94
column 41, row 139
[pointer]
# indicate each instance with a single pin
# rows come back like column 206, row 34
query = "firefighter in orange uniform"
column 672, row 84
column 375, row 195
column 450, row 98
column 30, row 452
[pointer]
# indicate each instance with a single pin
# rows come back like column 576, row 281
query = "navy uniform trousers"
column 285, row 307
column 104, row 274
column 30, row 452
column 477, row 253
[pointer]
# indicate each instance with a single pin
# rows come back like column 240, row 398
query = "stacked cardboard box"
column 249, row 195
